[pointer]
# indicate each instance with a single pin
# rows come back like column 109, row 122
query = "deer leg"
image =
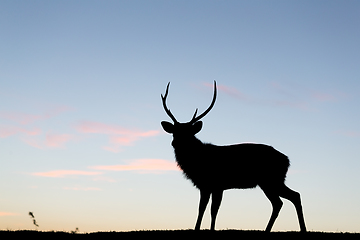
column 215, row 204
column 204, row 199
column 276, row 204
column 294, row 197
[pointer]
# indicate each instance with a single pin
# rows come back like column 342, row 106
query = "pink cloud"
column 118, row 136
column 7, row 131
column 21, row 118
column 27, row 135
column 323, row 97
column 33, row 143
column 64, row 173
column 25, row 118
column 122, row 140
column 103, row 179
column 349, row 133
column 57, row 140
column 82, row 188
column 233, row 92
column 302, row 97
column 2, row 214
column 51, row 141
column 289, row 100
column 142, row 165
column 282, row 89
column 329, row 97
column 292, row 104
column 286, row 95
column 101, row 128
column 34, row 132
column 114, row 149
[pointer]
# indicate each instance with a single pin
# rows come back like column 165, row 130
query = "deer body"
column 242, row 165
column 213, row 169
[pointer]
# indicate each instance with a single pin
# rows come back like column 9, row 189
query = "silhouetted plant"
column 33, row 218
column 213, row 169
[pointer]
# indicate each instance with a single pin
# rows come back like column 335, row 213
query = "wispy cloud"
column 33, row 136
column 118, row 136
column 302, row 97
column 142, row 166
column 303, row 105
column 101, row 128
column 324, row 97
column 57, row 140
column 65, row 173
column 349, row 133
column 7, row 131
column 284, row 95
column 82, row 188
column 4, row 214
column 21, row 118
column 138, row 165
column 51, row 141
column 33, row 142
column 103, row 179
column 233, row 92
column 26, row 118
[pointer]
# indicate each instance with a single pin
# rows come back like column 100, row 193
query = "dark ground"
column 176, row 234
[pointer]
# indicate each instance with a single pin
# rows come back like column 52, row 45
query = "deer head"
column 182, row 131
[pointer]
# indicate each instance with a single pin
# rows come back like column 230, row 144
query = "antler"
column 194, row 118
column 167, row 110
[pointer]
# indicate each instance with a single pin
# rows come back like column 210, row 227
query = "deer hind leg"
column 204, row 199
column 215, row 204
column 276, row 203
column 294, row 197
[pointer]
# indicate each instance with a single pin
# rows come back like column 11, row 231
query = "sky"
column 81, row 145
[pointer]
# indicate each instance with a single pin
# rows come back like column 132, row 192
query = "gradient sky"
column 80, row 84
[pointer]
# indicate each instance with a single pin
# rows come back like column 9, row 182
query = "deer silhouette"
column 213, row 169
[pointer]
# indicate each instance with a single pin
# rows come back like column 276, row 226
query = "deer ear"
column 197, row 127
column 168, row 127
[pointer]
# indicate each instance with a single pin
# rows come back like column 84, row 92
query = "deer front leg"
column 204, row 199
column 276, row 204
column 216, row 201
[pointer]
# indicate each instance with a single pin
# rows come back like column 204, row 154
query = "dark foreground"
column 171, row 234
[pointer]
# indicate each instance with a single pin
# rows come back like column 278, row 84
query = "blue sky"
column 80, row 84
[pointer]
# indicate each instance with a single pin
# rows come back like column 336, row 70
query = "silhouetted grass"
column 171, row 234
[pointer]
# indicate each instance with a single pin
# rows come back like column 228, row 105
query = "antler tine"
column 167, row 110
column 195, row 119
column 194, row 115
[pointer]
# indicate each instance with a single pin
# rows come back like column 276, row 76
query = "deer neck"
column 187, row 149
